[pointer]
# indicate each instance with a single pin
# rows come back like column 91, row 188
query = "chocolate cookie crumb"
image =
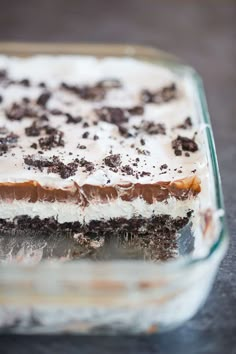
column 112, row 160
column 43, row 99
column 56, row 112
column 73, row 120
column 112, row 115
column 25, row 82
column 85, row 135
column 153, row 128
column 142, row 141
column 127, row 170
column 186, row 125
column 52, row 141
column 34, row 146
column 163, row 167
column 137, row 110
column 182, row 143
column 163, row 95
column 143, row 174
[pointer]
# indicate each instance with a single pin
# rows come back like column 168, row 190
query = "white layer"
column 135, row 76
column 70, row 213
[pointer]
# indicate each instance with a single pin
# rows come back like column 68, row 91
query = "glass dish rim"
column 166, row 59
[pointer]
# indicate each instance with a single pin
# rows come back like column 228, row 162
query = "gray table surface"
column 203, row 33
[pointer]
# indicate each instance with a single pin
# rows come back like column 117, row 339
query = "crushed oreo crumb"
column 34, row 146
column 53, row 165
column 10, row 138
column 143, row 152
column 182, row 143
column 25, row 82
column 89, row 166
column 163, row 95
column 73, row 120
column 112, row 160
column 187, row 124
column 82, row 147
column 137, row 110
column 85, row 135
column 43, row 99
column 143, row 174
column 127, row 170
column 153, row 128
column 112, row 115
column 56, row 112
column 163, row 167
column 54, row 140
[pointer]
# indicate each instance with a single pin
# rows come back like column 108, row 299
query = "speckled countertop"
column 203, row 33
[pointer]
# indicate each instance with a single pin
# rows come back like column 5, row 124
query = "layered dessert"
column 108, row 152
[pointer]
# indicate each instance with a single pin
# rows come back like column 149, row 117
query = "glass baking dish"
column 115, row 296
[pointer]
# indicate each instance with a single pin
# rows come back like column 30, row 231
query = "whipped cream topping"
column 143, row 152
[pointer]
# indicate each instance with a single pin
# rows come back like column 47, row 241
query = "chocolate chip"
column 73, row 120
column 85, row 125
column 43, row 99
column 112, row 160
column 1, row 98
column 95, row 137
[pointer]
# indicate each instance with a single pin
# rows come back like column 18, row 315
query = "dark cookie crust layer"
column 119, row 238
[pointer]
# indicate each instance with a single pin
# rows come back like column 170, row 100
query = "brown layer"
column 159, row 191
